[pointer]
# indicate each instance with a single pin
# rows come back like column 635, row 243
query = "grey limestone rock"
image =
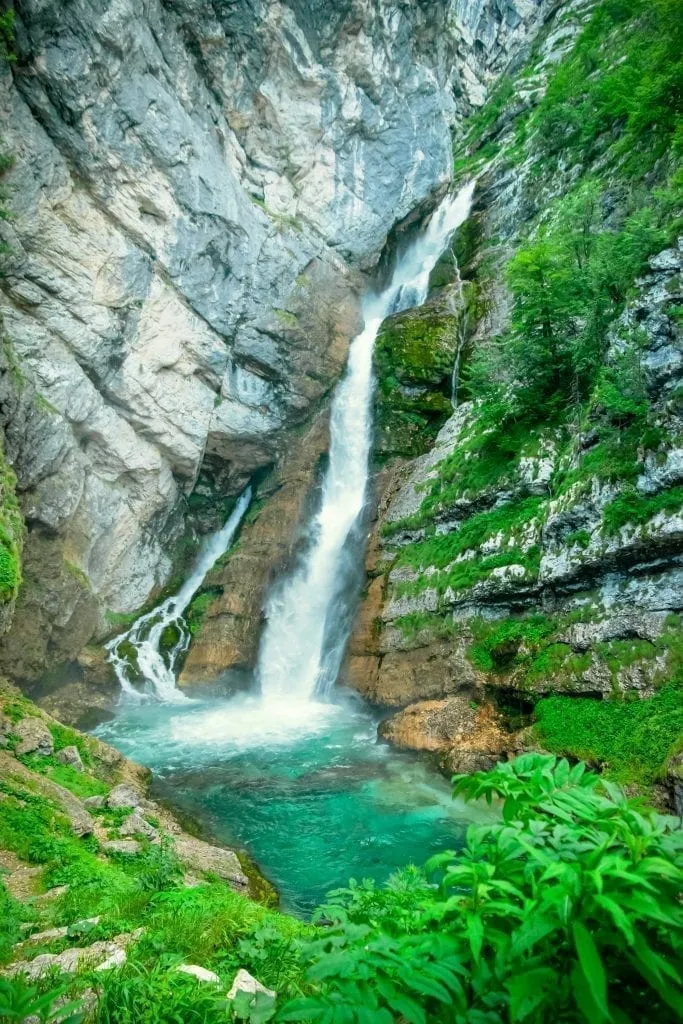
column 70, row 756
column 34, row 737
column 123, row 795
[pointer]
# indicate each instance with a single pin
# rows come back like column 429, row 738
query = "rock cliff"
column 195, row 192
column 536, row 546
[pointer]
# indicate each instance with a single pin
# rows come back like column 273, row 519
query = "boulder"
column 117, row 959
column 244, row 982
column 136, row 825
column 34, row 737
column 467, row 733
column 200, row 973
column 123, row 796
column 124, row 847
column 70, row 756
column 200, row 856
column 94, row 802
column 59, row 933
column 5, row 730
column 99, row 956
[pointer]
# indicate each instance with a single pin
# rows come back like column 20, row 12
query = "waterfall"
column 143, row 640
column 307, row 622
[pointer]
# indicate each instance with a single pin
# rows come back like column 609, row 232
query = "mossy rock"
column 417, row 346
column 414, row 359
column 170, row 635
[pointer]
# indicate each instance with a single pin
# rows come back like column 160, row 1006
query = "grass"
column 81, row 784
column 440, row 550
column 11, row 533
column 632, row 507
column 443, row 550
column 497, row 645
column 631, row 738
column 198, row 608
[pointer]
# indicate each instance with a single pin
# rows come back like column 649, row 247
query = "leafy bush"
column 633, row 507
column 153, row 994
column 566, row 909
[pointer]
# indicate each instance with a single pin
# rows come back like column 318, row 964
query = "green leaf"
column 411, row 1010
column 591, row 969
column 529, row 990
column 475, row 933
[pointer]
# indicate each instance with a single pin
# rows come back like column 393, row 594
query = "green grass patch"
column 632, row 507
column 497, row 645
column 440, row 550
column 632, row 738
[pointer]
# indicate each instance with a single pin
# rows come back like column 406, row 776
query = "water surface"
column 305, row 789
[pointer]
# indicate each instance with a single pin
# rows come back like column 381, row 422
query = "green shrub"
column 20, row 1001
column 635, row 508
column 154, row 994
column 566, row 908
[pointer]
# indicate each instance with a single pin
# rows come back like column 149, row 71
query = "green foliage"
column 81, row 784
column 623, row 77
column 141, row 993
column 198, row 607
column 20, row 1001
column 564, row 909
column 30, row 825
column 497, row 644
column 442, row 549
column 567, row 287
column 631, row 738
column 159, row 868
column 635, row 508
column 12, row 913
column 11, row 528
column 413, row 359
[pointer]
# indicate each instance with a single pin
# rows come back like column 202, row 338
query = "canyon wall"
column 197, row 189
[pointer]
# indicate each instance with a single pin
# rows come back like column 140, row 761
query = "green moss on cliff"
column 635, row 508
column 504, row 524
column 414, row 357
column 632, row 739
column 11, row 530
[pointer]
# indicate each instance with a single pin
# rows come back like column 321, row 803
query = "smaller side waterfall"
column 144, row 636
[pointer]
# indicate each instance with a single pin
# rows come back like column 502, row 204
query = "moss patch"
column 11, row 534
column 414, row 357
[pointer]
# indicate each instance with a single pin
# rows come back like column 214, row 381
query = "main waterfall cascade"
column 307, row 620
column 146, row 633
column 308, row 614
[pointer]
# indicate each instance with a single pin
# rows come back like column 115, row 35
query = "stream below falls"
column 293, row 772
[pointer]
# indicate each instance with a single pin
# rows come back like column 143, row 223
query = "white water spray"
column 145, row 634
column 302, row 645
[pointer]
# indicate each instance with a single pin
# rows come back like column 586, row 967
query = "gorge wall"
column 531, row 552
column 197, row 190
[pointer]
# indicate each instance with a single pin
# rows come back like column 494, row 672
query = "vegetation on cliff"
column 11, row 535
